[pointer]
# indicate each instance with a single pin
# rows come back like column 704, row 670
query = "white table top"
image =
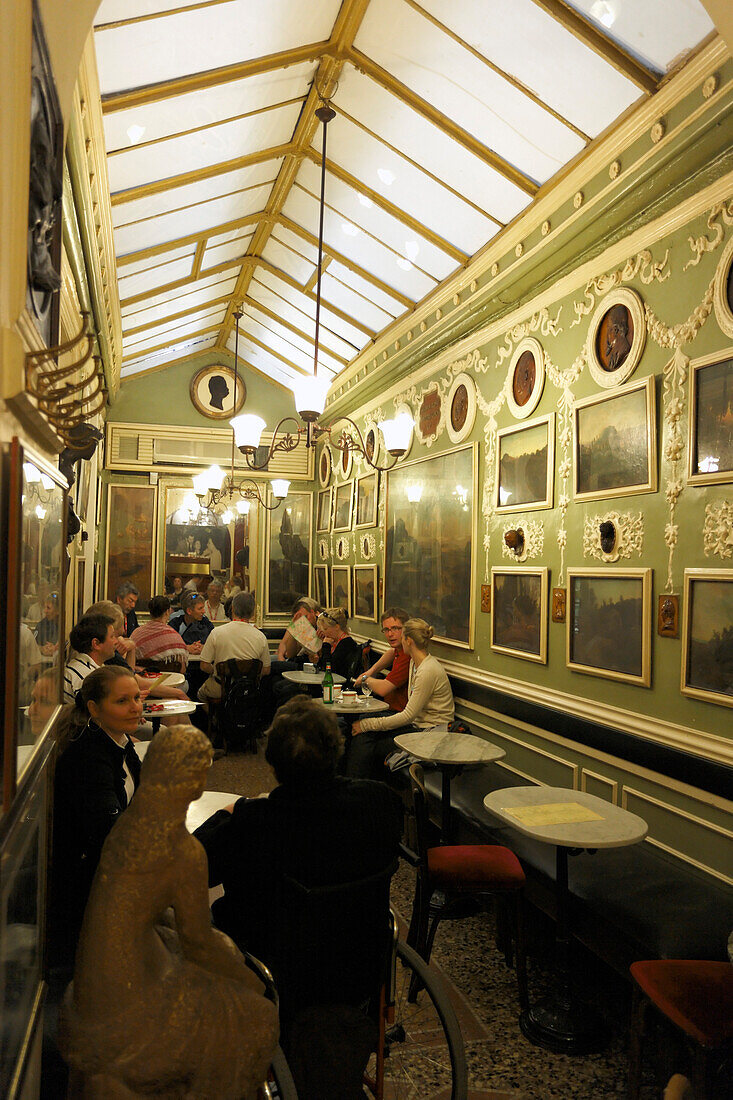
column 443, row 747
column 613, row 828
column 159, row 708
column 299, row 677
column 169, row 679
column 208, row 804
column 361, row 705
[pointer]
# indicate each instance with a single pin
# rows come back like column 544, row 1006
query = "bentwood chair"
column 696, row 997
column 453, row 879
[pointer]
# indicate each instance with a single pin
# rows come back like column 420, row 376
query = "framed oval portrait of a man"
column 616, row 338
column 212, row 392
column 526, row 378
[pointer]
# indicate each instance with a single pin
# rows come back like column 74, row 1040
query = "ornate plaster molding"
column 717, row 533
column 641, row 266
column 367, row 546
column 564, row 381
column 702, row 244
column 534, row 539
column 323, row 549
column 629, row 535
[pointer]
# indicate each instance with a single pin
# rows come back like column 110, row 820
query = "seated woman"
column 429, row 703
column 97, row 772
column 155, row 640
column 339, row 648
column 161, row 1007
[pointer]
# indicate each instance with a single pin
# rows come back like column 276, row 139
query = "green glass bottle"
column 328, row 685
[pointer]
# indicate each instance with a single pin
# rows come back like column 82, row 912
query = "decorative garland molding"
column 685, row 738
column 629, row 535
column 534, row 539
column 717, row 533
column 702, row 244
column 641, row 266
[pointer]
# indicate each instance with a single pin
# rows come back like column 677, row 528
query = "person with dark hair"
column 93, row 640
column 392, row 687
column 319, row 829
column 155, row 639
column 97, row 772
column 126, row 597
column 191, row 622
column 238, row 639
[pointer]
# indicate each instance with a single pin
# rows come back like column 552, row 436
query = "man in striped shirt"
column 93, row 641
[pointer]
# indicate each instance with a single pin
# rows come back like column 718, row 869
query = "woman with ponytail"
column 97, row 773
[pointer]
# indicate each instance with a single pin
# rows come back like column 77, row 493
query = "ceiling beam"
column 195, row 82
column 260, row 261
column 143, row 190
column 244, row 336
column 426, row 110
column 270, row 313
column 176, row 316
column 325, row 80
column 167, row 344
column 590, row 36
column 192, row 238
column 157, row 15
column 390, row 208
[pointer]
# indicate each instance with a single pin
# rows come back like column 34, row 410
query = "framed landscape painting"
column 711, row 421
column 323, row 519
column 341, row 587
column 707, row 635
column 609, row 623
column 367, row 491
column 525, row 459
column 519, row 612
column 365, row 592
column 320, row 585
column 616, row 443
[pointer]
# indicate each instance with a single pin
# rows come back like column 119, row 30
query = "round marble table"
column 362, row 705
column 160, row 708
column 296, row 676
column 574, row 822
column 451, row 752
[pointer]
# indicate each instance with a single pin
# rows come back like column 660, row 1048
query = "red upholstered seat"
column 695, row 995
column 469, row 867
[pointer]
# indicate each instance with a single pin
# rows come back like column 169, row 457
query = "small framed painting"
column 367, row 492
column 365, row 592
column 710, row 446
column 341, row 587
column 525, row 461
column 616, row 443
column 323, row 519
column 343, row 505
column 609, row 623
column 707, row 635
column 213, row 392
column 519, row 612
column 320, row 585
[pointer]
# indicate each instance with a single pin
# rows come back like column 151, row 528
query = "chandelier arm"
column 359, row 447
column 287, row 443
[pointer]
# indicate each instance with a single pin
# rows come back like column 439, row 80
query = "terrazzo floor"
column 503, row 1065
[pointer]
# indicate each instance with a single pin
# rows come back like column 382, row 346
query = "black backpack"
column 241, row 716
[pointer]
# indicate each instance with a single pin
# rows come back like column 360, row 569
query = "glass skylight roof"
column 445, row 128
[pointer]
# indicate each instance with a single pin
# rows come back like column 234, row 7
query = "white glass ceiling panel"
column 309, row 252
column 226, row 185
column 365, row 251
column 362, row 286
column 154, row 277
column 134, row 337
column 213, row 286
column 354, row 304
column 197, row 219
column 204, row 107
column 281, row 345
column 300, row 310
column 449, row 77
column 658, row 32
column 143, row 361
column 234, row 251
column 302, row 343
column 160, row 313
column 345, row 202
column 208, row 38
column 537, row 50
column 167, row 334
column 202, row 149
column 113, row 11
column 433, row 205
column 148, row 263
column 336, row 332
column 428, row 146
column 267, row 364
column 285, row 259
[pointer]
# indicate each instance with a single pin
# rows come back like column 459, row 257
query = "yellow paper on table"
column 553, row 813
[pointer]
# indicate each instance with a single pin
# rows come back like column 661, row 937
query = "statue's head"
column 178, row 758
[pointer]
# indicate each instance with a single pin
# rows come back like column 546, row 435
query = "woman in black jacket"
column 97, row 773
column 340, row 650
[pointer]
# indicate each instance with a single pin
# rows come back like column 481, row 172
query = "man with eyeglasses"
column 392, row 687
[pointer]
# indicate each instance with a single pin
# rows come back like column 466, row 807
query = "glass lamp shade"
column 243, row 507
column 414, row 492
column 280, row 488
column 248, row 429
column 201, row 483
column 310, row 396
column 227, row 517
column 397, row 433
column 30, row 473
column 214, row 477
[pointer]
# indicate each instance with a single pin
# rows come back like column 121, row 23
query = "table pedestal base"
column 564, row 1026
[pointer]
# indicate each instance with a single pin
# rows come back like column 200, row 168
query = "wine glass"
column 365, row 689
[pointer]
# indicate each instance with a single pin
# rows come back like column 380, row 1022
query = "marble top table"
column 298, row 677
column 362, row 705
column 160, row 708
column 166, row 679
column 450, row 752
column 202, row 809
column 573, row 821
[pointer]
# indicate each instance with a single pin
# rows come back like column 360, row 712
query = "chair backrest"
column 422, row 814
column 241, row 716
column 150, row 664
column 238, row 668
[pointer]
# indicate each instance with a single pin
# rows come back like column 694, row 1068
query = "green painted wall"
column 162, row 397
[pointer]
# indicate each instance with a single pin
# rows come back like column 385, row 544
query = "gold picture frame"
column 323, row 514
column 608, row 624
column 707, row 610
column 212, row 392
column 608, row 462
column 131, row 538
column 709, row 432
column 366, row 593
column 343, row 506
column 525, row 465
column 287, row 558
column 341, row 587
column 367, row 498
column 519, row 611
column 320, row 585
